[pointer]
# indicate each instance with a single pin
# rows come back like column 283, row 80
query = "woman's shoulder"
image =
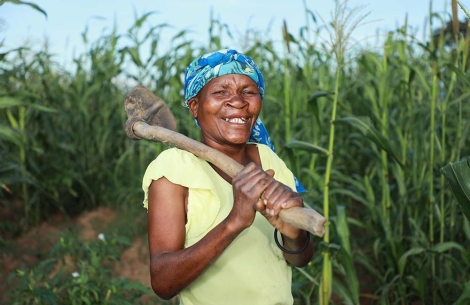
column 179, row 167
column 174, row 163
column 174, row 153
column 176, row 158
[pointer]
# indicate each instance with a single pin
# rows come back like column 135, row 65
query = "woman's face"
column 227, row 108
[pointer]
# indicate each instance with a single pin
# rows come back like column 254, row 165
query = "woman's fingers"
column 252, row 180
column 270, row 172
column 279, row 196
column 257, row 189
column 259, row 205
column 248, row 186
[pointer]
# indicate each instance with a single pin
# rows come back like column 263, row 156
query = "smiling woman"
column 226, row 110
column 207, row 243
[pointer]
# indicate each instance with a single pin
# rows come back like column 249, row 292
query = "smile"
column 236, row 120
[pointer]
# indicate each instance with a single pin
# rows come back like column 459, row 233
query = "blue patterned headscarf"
column 227, row 61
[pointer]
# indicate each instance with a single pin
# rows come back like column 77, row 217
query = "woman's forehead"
column 229, row 79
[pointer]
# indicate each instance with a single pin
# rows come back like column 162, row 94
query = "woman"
column 207, row 243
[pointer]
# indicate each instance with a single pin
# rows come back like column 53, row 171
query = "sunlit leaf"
column 446, row 246
column 134, row 52
column 350, row 194
column 9, row 102
column 466, row 228
column 342, row 290
column 464, row 298
column 342, row 228
column 34, row 6
column 351, row 289
column 10, row 135
column 295, row 144
column 458, row 176
column 326, row 282
column 138, row 23
column 404, row 257
column 368, row 130
column 313, row 103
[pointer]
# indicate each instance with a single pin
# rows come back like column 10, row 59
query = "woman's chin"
column 238, row 140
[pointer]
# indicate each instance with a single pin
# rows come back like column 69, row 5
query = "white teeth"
column 236, row 120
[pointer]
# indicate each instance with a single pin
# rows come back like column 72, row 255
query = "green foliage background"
column 397, row 235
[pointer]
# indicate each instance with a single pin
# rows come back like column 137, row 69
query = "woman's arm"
column 304, row 257
column 279, row 196
column 172, row 267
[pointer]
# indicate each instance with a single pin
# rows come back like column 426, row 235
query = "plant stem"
column 326, row 276
column 431, row 174
column 287, row 114
column 384, row 120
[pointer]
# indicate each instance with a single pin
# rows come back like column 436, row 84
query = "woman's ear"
column 193, row 105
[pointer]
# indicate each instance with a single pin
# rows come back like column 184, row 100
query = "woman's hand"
column 256, row 190
column 278, row 196
column 248, row 185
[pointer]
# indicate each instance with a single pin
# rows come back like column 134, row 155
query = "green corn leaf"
column 466, row 228
column 349, row 193
column 446, row 246
column 404, row 257
column 308, row 276
column 368, row 130
column 41, row 108
column 400, row 179
column 313, row 102
column 34, row 6
column 8, row 102
column 10, row 135
column 424, row 81
column 139, row 22
column 460, row 99
column 358, row 223
column 134, row 52
column 342, row 228
column 457, row 71
column 458, row 176
column 294, row 144
column 343, row 292
column 349, row 180
column 465, row 296
column 351, row 289
column 326, row 283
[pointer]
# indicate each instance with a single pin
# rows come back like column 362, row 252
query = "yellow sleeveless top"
column 252, row 270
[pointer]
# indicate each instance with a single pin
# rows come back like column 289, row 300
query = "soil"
column 35, row 245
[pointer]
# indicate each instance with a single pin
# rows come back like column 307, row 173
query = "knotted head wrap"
column 209, row 66
column 223, row 62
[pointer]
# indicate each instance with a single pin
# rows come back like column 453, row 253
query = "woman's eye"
column 220, row 92
column 249, row 93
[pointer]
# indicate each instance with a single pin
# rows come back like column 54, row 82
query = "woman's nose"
column 236, row 100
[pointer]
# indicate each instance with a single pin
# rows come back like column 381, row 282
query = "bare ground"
column 35, row 245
